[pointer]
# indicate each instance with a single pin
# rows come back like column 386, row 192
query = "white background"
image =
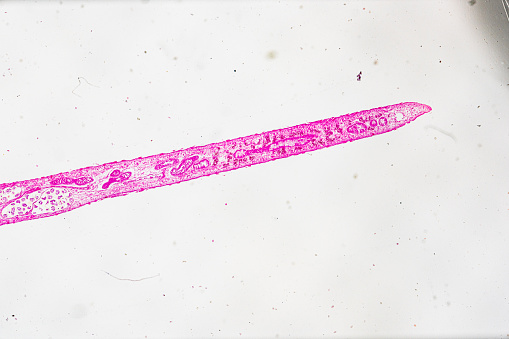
column 402, row 234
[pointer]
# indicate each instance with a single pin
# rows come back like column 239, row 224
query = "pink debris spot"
column 359, row 76
column 332, row 306
column 397, row 243
column 212, row 240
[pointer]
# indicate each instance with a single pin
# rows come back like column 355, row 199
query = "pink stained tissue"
column 63, row 192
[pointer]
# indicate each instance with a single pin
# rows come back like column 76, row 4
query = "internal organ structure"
column 279, row 145
column 184, row 165
column 38, row 202
column 70, row 181
column 116, row 176
column 48, row 196
column 361, row 127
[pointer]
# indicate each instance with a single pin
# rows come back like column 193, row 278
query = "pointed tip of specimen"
column 420, row 108
column 412, row 110
column 425, row 108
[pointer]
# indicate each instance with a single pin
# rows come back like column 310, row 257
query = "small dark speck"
column 355, row 176
column 400, row 202
column 472, row 2
column 145, row 52
column 375, row 62
column 478, row 125
column 234, row 71
column 439, row 61
column 480, row 106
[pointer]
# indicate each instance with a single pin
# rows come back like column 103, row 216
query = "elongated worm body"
column 63, row 192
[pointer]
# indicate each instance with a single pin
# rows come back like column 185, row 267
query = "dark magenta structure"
column 63, row 192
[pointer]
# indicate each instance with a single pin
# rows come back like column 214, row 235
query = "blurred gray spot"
column 493, row 21
column 79, row 311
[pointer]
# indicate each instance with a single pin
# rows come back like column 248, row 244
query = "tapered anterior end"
column 425, row 108
column 412, row 110
column 419, row 109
